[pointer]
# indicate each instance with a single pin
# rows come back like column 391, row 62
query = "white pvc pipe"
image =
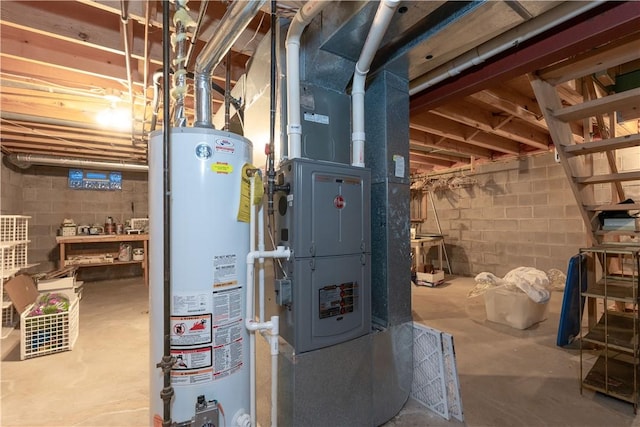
column 261, row 262
column 273, row 344
column 511, row 38
column 381, row 22
column 294, row 127
column 250, row 322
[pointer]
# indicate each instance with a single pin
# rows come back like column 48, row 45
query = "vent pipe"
column 381, row 22
column 234, row 21
column 25, row 161
column 294, row 127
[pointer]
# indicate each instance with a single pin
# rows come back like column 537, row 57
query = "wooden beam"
column 429, row 122
column 465, row 113
column 430, row 160
column 594, row 30
column 598, row 59
column 422, row 138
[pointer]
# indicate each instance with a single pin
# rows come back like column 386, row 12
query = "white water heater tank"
column 208, row 243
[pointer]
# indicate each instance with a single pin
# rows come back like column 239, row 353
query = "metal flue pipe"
column 234, row 21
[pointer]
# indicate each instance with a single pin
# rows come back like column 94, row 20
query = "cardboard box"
column 47, row 333
column 431, row 279
column 513, row 308
column 56, row 284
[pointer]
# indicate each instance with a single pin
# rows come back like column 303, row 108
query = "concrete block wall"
column 45, row 196
column 518, row 213
column 10, row 189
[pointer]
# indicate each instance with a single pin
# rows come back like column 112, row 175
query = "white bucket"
column 138, row 254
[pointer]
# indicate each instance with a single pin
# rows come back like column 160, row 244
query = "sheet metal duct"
column 234, row 21
column 25, row 161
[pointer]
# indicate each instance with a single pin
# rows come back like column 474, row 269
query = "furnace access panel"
column 325, row 219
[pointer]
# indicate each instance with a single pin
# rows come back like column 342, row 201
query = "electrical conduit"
column 381, row 22
column 302, row 19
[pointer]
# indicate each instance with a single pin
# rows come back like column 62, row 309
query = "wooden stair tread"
column 613, row 177
column 601, row 233
column 616, row 207
column 603, row 145
column 604, row 105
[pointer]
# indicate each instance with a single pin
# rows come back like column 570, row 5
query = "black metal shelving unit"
column 614, row 332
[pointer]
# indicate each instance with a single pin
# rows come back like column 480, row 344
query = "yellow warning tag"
column 220, row 167
column 244, row 210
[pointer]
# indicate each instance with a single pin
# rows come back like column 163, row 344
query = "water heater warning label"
column 227, row 306
column 228, row 341
column 191, row 366
column 225, row 272
column 190, row 330
column 336, row 300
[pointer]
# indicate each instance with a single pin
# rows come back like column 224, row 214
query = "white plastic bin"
column 513, row 308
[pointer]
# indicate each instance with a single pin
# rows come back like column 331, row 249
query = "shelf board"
column 620, row 332
column 616, row 290
column 98, row 264
column 616, row 381
column 615, row 248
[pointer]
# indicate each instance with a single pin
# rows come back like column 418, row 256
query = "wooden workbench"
column 100, row 244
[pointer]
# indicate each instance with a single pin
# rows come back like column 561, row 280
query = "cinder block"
column 557, row 238
column 534, row 224
column 483, row 247
column 506, row 224
column 540, row 199
column 481, row 224
column 569, row 225
column 519, row 187
column 519, row 212
column 543, row 160
column 519, row 261
column 506, row 200
column 548, row 211
column 576, row 239
column 556, row 171
column 470, row 235
column 540, row 186
column 539, row 250
column 490, row 259
column 493, row 212
column 561, row 182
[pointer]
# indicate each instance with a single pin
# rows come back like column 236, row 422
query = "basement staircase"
column 598, row 112
column 613, row 295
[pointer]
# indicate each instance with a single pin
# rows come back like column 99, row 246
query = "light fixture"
column 114, row 117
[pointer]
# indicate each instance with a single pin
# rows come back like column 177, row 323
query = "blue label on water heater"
column 203, row 151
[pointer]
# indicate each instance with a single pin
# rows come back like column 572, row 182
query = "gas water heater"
column 209, row 243
column 324, row 291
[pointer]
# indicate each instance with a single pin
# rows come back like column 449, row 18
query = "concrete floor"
column 507, row 377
